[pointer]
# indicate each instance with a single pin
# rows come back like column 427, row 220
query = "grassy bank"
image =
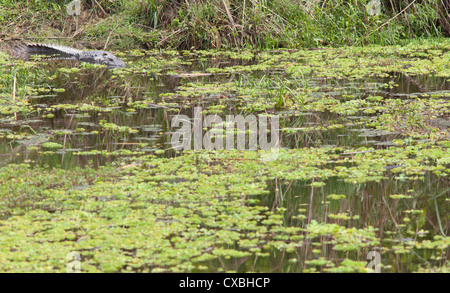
column 224, row 24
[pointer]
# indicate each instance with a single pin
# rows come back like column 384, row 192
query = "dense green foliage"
column 226, row 24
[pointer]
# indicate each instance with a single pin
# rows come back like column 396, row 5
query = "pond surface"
column 91, row 176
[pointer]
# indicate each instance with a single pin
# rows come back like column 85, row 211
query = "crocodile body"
column 24, row 51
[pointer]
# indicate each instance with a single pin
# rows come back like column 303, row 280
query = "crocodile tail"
column 15, row 49
column 53, row 50
column 21, row 50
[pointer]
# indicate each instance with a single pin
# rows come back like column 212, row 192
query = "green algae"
column 363, row 167
column 174, row 211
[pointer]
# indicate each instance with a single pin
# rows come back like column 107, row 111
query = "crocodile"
column 25, row 50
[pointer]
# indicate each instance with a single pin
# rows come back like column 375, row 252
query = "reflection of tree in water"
column 371, row 201
column 99, row 83
column 419, row 83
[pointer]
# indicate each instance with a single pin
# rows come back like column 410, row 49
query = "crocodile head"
column 102, row 57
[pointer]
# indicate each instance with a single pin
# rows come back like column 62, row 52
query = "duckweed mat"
column 91, row 181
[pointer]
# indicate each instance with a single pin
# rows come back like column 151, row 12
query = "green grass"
column 224, row 24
